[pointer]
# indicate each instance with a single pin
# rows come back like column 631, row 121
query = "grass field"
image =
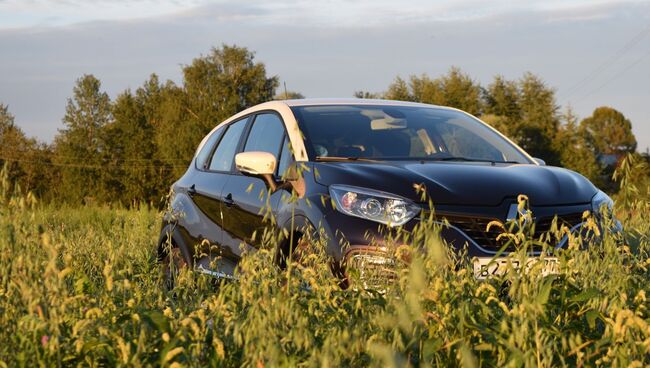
column 81, row 287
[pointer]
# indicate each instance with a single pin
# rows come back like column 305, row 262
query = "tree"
column 398, row 90
column 12, row 147
column 288, row 95
column 215, row 87
column 459, row 90
column 27, row 162
column 526, row 111
column 130, row 149
column 152, row 97
column 501, row 105
column 80, row 145
column 223, row 83
column 539, row 118
column 367, row 95
column 574, row 149
column 609, row 132
column 454, row 89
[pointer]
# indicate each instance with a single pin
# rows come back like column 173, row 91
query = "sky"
column 592, row 53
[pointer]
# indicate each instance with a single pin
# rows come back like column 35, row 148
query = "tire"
column 171, row 264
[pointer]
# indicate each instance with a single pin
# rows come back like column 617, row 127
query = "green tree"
column 130, row 149
column 368, row 95
column 539, row 118
column 176, row 133
column 12, row 147
column 288, row 95
column 80, row 145
column 609, row 132
column 398, row 90
column 574, row 149
column 501, row 105
column 459, row 90
column 28, row 162
column 525, row 110
column 153, row 98
column 215, row 87
column 454, row 89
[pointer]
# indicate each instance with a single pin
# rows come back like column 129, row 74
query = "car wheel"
column 171, row 265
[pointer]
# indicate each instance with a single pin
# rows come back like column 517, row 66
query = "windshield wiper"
column 338, row 158
column 469, row 159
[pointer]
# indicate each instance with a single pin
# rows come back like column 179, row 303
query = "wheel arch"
column 172, row 232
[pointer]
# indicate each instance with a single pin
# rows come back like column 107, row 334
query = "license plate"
column 485, row 267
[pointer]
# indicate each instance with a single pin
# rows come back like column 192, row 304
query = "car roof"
column 351, row 101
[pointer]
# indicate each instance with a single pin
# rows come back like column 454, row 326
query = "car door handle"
column 228, row 201
column 191, row 190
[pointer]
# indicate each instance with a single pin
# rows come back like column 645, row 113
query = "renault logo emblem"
column 515, row 214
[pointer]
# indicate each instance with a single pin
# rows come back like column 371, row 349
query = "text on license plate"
column 485, row 266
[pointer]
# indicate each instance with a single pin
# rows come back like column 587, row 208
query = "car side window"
column 223, row 156
column 266, row 135
column 286, row 158
column 204, row 154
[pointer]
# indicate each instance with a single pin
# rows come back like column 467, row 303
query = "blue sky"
column 592, row 52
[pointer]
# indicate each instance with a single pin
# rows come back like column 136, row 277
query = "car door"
column 208, row 183
column 246, row 197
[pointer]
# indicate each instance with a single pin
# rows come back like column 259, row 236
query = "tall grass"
column 81, row 287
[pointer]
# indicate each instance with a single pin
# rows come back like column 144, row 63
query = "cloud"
column 325, row 53
column 363, row 13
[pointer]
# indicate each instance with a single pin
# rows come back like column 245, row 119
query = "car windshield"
column 383, row 132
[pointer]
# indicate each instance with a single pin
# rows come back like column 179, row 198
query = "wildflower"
column 44, row 340
column 172, row 353
column 168, row 312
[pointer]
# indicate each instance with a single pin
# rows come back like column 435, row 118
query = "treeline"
column 131, row 149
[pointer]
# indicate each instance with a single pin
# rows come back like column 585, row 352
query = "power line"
column 90, row 166
column 616, row 76
column 608, row 62
column 65, row 157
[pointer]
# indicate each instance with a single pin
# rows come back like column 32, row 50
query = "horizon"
column 592, row 53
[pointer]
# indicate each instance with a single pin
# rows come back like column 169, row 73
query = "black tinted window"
column 400, row 133
column 225, row 152
column 266, row 134
column 204, row 154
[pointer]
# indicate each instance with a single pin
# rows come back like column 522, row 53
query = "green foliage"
column 367, row 95
column 454, row 89
column 27, row 162
column 575, row 152
column 215, row 87
column 81, row 143
column 81, row 287
column 130, row 161
column 609, row 132
column 129, row 150
column 289, row 95
column 525, row 110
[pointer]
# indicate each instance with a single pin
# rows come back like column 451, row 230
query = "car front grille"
column 476, row 229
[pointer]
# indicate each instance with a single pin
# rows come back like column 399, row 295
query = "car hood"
column 462, row 183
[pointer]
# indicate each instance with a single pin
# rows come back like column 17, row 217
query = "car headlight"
column 598, row 204
column 599, row 200
column 373, row 205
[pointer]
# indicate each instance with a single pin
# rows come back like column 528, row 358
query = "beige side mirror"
column 255, row 163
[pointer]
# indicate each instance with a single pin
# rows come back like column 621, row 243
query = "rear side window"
column 204, row 154
column 223, row 156
column 266, row 135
